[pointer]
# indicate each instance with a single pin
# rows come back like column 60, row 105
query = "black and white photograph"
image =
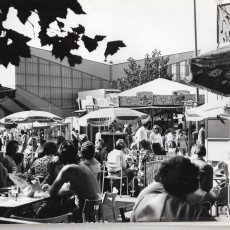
column 115, row 112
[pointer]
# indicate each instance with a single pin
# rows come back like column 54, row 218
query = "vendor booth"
column 111, row 119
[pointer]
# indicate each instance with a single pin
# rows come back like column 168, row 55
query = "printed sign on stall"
column 145, row 98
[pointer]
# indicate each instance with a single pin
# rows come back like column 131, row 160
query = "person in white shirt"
column 116, row 159
column 141, row 133
column 156, row 140
column 98, row 135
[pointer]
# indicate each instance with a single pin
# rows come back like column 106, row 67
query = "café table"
column 10, row 206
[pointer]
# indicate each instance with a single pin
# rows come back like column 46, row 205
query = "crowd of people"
column 182, row 182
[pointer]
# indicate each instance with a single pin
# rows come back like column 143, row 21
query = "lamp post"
column 195, row 55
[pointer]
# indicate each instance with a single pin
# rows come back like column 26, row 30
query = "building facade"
column 44, row 83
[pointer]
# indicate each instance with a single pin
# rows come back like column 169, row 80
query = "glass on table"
column 13, row 193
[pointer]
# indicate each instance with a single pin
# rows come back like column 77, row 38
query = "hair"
column 202, row 125
column 180, row 131
column 88, row 150
column 200, row 150
column 145, row 124
column 42, row 142
column 10, row 147
column 120, row 144
column 179, row 176
column 50, row 148
column 60, row 139
column 145, row 144
column 68, row 153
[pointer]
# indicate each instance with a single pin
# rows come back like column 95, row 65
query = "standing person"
column 75, row 138
column 169, row 137
column 98, row 134
column 128, row 134
column 24, row 140
column 201, row 135
column 156, row 140
column 181, row 140
column 141, row 133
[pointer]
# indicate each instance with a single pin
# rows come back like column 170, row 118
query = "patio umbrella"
column 30, row 117
column 212, row 71
column 218, row 109
column 104, row 117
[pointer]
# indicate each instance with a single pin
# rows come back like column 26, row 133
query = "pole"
column 195, row 54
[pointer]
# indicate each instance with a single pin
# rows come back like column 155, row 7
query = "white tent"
column 160, row 86
column 208, row 110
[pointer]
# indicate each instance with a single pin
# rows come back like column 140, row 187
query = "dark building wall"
column 55, row 83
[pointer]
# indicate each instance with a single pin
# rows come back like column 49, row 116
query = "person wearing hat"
column 116, row 159
column 156, row 140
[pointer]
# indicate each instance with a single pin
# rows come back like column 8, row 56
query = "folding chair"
column 66, row 218
column 109, row 200
column 124, row 210
column 90, row 212
column 111, row 178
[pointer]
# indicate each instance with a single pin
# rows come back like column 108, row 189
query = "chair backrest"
column 124, row 210
column 151, row 168
column 66, row 218
column 91, row 210
column 109, row 199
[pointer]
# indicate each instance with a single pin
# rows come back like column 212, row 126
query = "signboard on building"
column 112, row 99
column 145, row 98
column 179, row 96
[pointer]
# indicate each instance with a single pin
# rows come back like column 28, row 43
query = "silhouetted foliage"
column 13, row 44
column 155, row 66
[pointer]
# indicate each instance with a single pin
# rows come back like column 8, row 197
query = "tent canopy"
column 208, row 110
column 160, row 86
column 212, row 71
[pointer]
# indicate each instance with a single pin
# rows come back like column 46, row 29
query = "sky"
column 143, row 25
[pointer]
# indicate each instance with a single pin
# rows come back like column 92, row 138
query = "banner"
column 112, row 99
column 179, row 96
column 223, row 23
column 145, row 98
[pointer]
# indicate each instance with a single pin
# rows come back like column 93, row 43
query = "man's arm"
column 60, row 180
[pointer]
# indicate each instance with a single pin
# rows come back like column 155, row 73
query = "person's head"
column 200, row 150
column 67, row 152
column 54, row 166
column 156, row 128
column 202, row 125
column 83, row 138
column 120, row 144
column 101, row 129
column 73, row 129
column 60, row 139
column 179, row 176
column 145, row 125
column 133, row 146
column 50, row 148
column 180, row 132
column 11, row 147
column 144, row 144
column 42, row 142
column 22, row 132
column 88, row 150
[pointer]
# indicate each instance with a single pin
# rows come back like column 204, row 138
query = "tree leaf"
column 113, row 47
column 90, row 44
column 99, row 38
column 80, row 29
column 74, row 59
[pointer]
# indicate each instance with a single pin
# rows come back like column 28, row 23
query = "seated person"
column 116, row 159
column 3, row 176
column 206, row 170
column 88, row 151
column 68, row 153
column 82, row 182
column 12, row 160
column 179, row 177
column 224, row 165
column 39, row 166
column 54, row 167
